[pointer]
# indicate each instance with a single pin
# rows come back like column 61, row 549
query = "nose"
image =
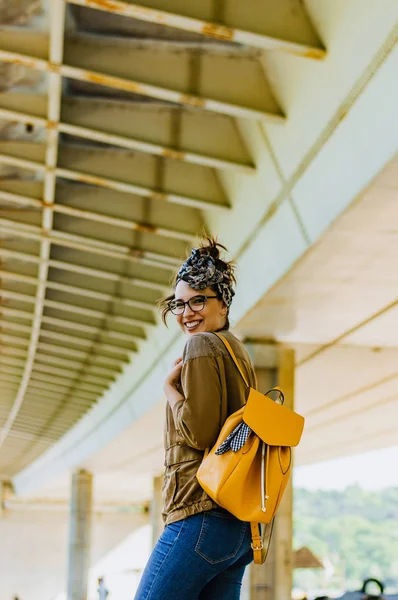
column 188, row 309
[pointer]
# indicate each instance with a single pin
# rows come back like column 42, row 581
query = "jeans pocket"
column 220, row 539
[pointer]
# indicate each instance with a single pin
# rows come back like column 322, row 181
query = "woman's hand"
column 174, row 376
column 172, row 380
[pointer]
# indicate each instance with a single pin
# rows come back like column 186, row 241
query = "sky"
column 372, row 471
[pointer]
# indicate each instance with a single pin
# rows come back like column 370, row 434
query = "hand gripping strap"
column 232, row 354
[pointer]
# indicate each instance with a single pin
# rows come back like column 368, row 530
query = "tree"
column 355, row 529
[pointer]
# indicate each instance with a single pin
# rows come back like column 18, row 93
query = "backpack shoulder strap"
column 232, row 354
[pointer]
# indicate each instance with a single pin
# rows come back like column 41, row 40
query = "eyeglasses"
column 196, row 304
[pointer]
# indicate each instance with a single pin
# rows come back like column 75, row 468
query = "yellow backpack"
column 247, row 470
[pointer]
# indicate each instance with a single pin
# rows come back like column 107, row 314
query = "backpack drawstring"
column 264, row 475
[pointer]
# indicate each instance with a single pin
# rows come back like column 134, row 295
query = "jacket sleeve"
column 198, row 416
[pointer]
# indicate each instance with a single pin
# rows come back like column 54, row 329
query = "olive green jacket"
column 212, row 389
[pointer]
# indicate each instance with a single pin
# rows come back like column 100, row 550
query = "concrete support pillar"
column 6, row 492
column 2, row 497
column 273, row 580
column 79, row 535
column 283, row 550
column 156, row 509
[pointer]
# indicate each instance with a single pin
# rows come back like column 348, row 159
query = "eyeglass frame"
column 185, row 303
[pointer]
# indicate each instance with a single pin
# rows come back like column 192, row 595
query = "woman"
column 203, row 551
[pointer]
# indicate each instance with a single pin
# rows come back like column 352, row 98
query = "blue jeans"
column 202, row 557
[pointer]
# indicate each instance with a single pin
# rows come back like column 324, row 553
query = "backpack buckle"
column 257, row 547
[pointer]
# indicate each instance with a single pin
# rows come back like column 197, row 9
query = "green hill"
column 356, row 531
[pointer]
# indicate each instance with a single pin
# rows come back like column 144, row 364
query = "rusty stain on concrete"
column 86, row 178
column 315, row 53
column 53, row 67
column 30, row 63
column 121, row 84
column 192, row 100
column 159, row 196
column 175, row 154
column 124, row 9
column 217, row 31
column 150, row 14
column 146, row 228
column 312, row 53
column 104, row 4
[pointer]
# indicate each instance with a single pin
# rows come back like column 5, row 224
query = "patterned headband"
column 200, row 271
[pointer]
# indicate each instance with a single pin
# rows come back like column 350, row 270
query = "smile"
column 192, row 324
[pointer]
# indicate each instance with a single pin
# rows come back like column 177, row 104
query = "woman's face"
column 211, row 318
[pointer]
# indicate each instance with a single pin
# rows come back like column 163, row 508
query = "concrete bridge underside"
column 125, row 131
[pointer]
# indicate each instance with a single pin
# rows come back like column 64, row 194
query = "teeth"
column 192, row 324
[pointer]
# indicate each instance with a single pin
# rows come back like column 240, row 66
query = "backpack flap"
column 275, row 424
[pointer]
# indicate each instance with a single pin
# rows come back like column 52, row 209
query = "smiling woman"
column 195, row 313
column 202, row 545
column 198, row 315
column 203, row 272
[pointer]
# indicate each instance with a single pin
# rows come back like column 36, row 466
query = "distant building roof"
column 303, row 558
